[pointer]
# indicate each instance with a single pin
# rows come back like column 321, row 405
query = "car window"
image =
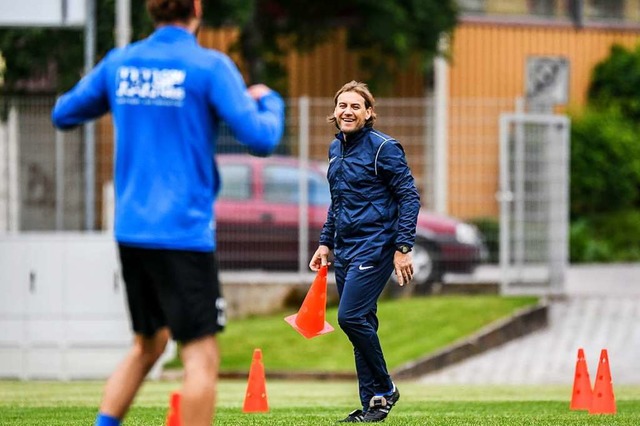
column 281, row 186
column 236, row 182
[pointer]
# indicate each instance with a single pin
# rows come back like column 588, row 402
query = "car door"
column 242, row 237
column 257, row 213
column 281, row 217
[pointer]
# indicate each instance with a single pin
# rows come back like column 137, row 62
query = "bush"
column 584, row 247
column 490, row 229
column 611, row 237
column 605, row 163
column 616, row 80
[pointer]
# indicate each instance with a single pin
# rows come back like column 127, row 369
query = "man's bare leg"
column 201, row 359
column 124, row 382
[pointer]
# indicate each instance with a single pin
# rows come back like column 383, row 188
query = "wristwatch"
column 403, row 248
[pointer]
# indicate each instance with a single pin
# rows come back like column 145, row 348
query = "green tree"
column 386, row 34
column 30, row 52
column 605, row 163
column 616, row 81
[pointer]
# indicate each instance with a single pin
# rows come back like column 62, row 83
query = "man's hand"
column 320, row 258
column 403, row 264
column 257, row 91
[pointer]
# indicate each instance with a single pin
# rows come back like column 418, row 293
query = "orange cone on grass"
column 582, row 394
column 310, row 319
column 173, row 416
column 604, row 401
column 255, row 400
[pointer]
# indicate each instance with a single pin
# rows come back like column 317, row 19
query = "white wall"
column 62, row 307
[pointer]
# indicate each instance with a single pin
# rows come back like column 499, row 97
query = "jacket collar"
column 356, row 137
column 172, row 33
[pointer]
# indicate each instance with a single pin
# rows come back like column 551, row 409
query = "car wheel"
column 426, row 268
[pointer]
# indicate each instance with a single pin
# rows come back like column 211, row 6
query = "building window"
column 542, row 7
column 471, row 6
column 604, row 9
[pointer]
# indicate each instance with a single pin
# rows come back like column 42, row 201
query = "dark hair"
column 362, row 90
column 163, row 11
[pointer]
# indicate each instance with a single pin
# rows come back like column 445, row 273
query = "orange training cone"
column 604, row 401
column 255, row 400
column 173, row 416
column 581, row 397
column 310, row 319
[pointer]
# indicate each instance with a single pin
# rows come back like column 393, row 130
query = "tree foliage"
column 31, row 52
column 616, row 81
column 605, row 154
column 605, row 163
column 386, row 34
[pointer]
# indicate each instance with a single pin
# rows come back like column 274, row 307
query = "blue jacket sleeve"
column 394, row 170
column 328, row 230
column 85, row 101
column 258, row 125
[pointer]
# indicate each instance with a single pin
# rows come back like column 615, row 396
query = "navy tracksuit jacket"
column 374, row 207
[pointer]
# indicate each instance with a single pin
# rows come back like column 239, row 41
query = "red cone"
column 581, row 396
column 310, row 319
column 604, row 402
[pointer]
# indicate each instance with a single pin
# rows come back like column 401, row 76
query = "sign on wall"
column 547, row 80
column 42, row 13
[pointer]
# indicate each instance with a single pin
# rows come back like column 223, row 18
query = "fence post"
column 13, row 171
column 59, row 141
column 303, row 184
column 89, row 128
column 441, row 94
column 504, row 198
column 4, row 178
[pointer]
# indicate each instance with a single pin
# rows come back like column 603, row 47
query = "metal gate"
column 534, row 203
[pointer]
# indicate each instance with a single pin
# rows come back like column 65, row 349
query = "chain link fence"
column 43, row 172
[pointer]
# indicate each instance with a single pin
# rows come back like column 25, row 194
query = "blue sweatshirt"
column 168, row 95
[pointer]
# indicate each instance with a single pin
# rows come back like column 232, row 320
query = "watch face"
column 404, row 249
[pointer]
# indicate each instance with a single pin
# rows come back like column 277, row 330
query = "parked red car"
column 257, row 221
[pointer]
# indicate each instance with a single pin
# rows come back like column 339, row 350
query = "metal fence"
column 43, row 173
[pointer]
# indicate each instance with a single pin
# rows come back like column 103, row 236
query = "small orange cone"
column 255, row 400
column 173, row 416
column 604, row 401
column 581, row 397
column 310, row 319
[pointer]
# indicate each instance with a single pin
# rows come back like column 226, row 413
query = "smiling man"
column 371, row 228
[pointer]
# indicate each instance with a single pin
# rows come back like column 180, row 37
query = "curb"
column 519, row 324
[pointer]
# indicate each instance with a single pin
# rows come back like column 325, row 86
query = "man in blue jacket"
column 370, row 227
column 167, row 96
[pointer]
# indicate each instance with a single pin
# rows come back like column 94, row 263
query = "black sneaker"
column 356, row 416
column 380, row 405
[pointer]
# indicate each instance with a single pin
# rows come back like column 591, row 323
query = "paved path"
column 602, row 310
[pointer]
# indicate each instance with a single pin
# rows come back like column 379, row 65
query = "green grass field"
column 409, row 329
column 319, row 403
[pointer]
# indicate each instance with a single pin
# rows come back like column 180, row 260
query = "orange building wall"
column 487, row 75
column 488, row 60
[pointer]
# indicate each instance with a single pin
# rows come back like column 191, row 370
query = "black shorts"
column 174, row 288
